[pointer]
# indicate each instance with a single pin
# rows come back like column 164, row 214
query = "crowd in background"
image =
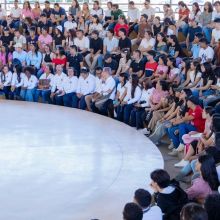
column 160, row 76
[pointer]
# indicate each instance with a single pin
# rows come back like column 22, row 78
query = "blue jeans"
column 68, row 99
column 120, row 112
column 127, row 112
column 172, row 136
column 79, row 102
column 28, row 94
column 6, row 91
column 208, row 33
column 184, row 29
column 136, row 119
column 45, row 94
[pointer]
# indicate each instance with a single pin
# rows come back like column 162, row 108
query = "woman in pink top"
column 26, row 11
column 5, row 56
column 36, row 11
column 207, row 182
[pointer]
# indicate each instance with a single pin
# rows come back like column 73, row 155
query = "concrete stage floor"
column 59, row 163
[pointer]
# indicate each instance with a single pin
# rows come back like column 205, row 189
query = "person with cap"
column 215, row 33
column 144, row 199
column 44, row 39
column 111, row 63
column 44, row 23
column 147, row 42
column 19, row 38
column 194, row 28
column 30, row 84
column 15, row 14
column 5, row 81
column 57, row 86
column 86, row 86
column 45, row 84
column 151, row 64
column 96, row 49
column 58, row 15
column 34, row 57
column 20, row 54
column 70, row 85
column 58, row 38
column 7, row 38
column 82, row 43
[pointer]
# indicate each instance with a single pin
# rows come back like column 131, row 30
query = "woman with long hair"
column 161, row 43
column 174, row 48
column 5, row 55
column 5, row 81
column 133, row 95
column 207, row 182
column 205, row 20
column 34, row 57
column 26, row 11
column 85, row 12
column 125, row 61
column 74, row 9
column 58, row 39
column 36, row 11
column 195, row 13
column 60, row 57
column 173, row 75
column 95, row 25
column 168, row 12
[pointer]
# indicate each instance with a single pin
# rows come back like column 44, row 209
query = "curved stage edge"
column 59, row 163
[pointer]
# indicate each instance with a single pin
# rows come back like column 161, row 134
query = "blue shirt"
column 20, row 56
column 34, row 59
column 195, row 50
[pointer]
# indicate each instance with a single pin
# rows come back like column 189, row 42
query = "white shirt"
column 6, row 79
column 149, row 12
column 96, row 12
column 137, row 95
column 70, row 84
column 82, row 44
column 30, row 83
column 153, row 213
column 145, row 97
column 58, row 82
column 215, row 15
column 120, row 90
column 2, row 13
column 70, row 25
column 108, row 13
column 110, row 44
column 216, row 35
column 86, row 86
column 16, row 13
column 98, row 85
column 206, row 54
column 109, row 84
column 146, row 43
column 21, row 39
column 134, row 14
column 17, row 83
column 50, row 77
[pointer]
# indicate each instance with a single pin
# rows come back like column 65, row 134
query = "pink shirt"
column 3, row 58
column 161, row 69
column 45, row 40
column 158, row 95
column 27, row 13
column 200, row 189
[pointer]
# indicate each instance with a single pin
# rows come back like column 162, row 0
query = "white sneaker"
column 173, row 152
column 181, row 147
column 145, row 131
column 182, row 163
column 171, row 146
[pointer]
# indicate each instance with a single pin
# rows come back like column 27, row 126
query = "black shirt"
column 96, row 45
column 74, row 61
column 47, row 12
column 126, row 43
column 48, row 24
column 210, row 76
column 58, row 39
column 136, row 67
column 7, row 39
column 113, row 65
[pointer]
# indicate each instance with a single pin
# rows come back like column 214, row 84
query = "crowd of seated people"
column 160, row 75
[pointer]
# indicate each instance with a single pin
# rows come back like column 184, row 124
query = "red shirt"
column 182, row 13
column 198, row 121
column 119, row 26
column 59, row 61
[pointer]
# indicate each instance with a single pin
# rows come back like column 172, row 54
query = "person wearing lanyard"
column 5, row 81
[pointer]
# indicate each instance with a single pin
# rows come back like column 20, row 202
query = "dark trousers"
column 68, row 99
column 120, row 112
column 6, row 91
column 107, row 109
column 136, row 118
column 127, row 112
column 79, row 102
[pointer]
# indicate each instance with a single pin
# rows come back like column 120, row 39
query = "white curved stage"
column 59, row 163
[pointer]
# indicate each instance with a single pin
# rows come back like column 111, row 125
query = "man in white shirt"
column 216, row 33
column 96, row 10
column 15, row 15
column 86, row 86
column 216, row 13
column 206, row 53
column 30, row 85
column 148, row 10
column 69, row 87
column 108, row 93
column 19, row 38
column 3, row 22
column 147, row 43
column 143, row 198
column 82, row 43
column 57, row 86
column 133, row 16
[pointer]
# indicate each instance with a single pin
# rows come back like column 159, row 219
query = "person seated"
column 122, row 23
column 157, row 26
column 196, row 46
column 147, row 43
column 57, row 85
column 58, row 15
column 151, row 65
column 30, row 84
column 5, row 81
column 111, row 63
column 160, row 44
column 173, row 75
column 115, row 13
column 86, row 86
column 169, row 197
column 144, row 199
column 206, row 53
column 215, row 33
column 212, row 206
column 207, row 182
column 193, row 211
column 96, row 49
column 58, row 37
column 44, row 85
column 95, row 25
column 44, row 39
column 132, row 211
column 44, row 23
column 59, row 58
column 70, row 24
column 19, row 54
